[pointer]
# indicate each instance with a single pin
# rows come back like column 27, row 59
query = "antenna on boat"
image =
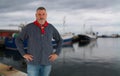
column 64, row 18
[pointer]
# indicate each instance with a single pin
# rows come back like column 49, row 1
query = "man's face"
column 41, row 16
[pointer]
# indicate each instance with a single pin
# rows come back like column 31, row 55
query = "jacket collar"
column 42, row 27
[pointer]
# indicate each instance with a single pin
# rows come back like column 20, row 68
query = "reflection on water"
column 98, row 58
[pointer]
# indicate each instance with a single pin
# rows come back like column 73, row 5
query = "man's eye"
column 41, row 14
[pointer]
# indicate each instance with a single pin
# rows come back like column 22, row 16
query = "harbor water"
column 98, row 58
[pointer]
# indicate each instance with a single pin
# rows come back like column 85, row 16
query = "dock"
column 6, row 71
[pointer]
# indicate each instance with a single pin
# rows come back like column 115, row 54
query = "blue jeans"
column 38, row 70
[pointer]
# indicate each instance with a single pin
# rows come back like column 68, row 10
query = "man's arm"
column 58, row 47
column 23, row 35
column 58, row 40
column 20, row 41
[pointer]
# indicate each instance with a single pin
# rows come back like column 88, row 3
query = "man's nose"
column 41, row 16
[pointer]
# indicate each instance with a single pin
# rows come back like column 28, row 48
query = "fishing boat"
column 67, row 39
column 86, row 35
column 10, row 42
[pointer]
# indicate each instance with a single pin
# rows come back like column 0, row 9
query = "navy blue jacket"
column 39, row 45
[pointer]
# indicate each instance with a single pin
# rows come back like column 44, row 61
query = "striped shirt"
column 39, row 45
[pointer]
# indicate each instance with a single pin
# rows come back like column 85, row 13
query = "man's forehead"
column 41, row 11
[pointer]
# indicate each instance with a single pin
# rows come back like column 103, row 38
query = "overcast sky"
column 102, row 16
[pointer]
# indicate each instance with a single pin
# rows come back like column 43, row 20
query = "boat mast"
column 64, row 18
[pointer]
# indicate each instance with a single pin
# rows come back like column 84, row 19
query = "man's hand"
column 28, row 57
column 53, row 57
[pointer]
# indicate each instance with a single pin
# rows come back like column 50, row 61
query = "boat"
column 85, row 36
column 10, row 42
column 67, row 39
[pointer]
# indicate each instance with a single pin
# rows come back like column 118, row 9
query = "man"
column 39, row 35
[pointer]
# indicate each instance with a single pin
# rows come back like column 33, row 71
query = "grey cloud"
column 13, row 5
column 80, row 4
column 66, row 5
column 73, row 8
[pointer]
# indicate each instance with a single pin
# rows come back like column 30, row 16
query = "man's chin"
column 41, row 22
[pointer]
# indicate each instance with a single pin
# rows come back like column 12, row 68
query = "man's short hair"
column 40, row 8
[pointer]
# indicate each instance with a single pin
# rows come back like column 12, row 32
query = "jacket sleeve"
column 20, row 41
column 58, row 41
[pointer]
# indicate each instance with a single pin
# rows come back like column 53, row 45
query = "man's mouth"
column 41, row 18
